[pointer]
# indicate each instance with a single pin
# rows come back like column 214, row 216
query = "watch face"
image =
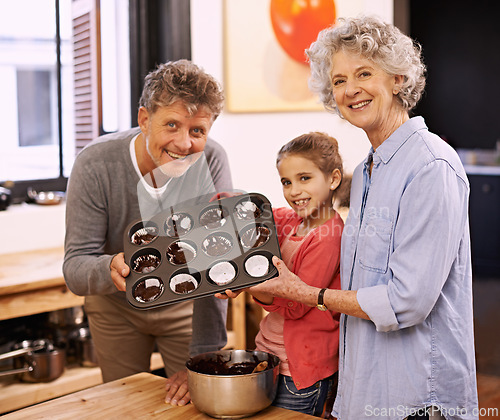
column 322, row 307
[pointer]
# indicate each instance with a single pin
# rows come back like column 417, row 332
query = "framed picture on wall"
column 265, row 67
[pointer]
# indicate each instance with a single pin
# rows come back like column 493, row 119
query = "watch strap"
column 321, row 304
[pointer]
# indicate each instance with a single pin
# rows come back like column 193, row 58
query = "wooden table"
column 138, row 396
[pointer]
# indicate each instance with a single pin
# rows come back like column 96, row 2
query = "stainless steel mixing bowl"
column 216, row 391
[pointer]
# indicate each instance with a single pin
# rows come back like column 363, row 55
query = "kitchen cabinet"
column 32, row 283
column 484, row 213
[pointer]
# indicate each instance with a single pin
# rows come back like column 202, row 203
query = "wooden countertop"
column 15, row 395
column 137, row 396
column 24, row 271
column 32, row 282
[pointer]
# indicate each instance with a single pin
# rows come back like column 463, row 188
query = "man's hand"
column 177, row 389
column 119, row 270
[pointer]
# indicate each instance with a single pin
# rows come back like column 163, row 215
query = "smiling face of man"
column 172, row 139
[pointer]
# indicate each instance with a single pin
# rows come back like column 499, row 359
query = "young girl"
column 305, row 338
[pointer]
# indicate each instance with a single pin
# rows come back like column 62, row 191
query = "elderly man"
column 130, row 175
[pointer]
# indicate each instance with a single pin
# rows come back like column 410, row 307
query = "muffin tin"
column 194, row 250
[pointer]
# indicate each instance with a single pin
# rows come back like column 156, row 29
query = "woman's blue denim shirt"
column 406, row 250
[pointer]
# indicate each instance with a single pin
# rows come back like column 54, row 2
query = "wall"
column 460, row 47
column 252, row 140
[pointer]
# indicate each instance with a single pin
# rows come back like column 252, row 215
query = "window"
column 29, row 88
column 34, row 107
column 50, row 85
column 71, row 70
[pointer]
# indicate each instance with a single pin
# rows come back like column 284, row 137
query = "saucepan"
column 46, row 198
column 5, row 198
column 86, row 353
column 68, row 317
column 233, row 384
column 35, row 361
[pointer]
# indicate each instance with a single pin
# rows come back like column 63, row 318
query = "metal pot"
column 5, row 198
column 68, row 317
column 232, row 396
column 86, row 353
column 45, row 197
column 36, row 361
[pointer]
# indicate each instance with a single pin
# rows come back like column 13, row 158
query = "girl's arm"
column 263, row 298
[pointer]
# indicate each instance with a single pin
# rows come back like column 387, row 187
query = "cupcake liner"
column 183, row 283
column 255, row 236
column 247, row 210
column 222, row 273
column 178, row 224
column 213, row 218
column 257, row 265
column 180, row 253
column 148, row 290
column 145, row 263
column 144, row 235
column 216, row 245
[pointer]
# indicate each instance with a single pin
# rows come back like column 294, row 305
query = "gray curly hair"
column 370, row 37
column 183, row 81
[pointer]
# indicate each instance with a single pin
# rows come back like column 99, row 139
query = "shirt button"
column 290, row 304
column 297, row 384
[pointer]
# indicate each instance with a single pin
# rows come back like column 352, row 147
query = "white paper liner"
column 182, row 278
column 183, row 224
column 246, row 210
column 182, row 246
column 207, row 245
column 222, row 273
column 252, row 235
column 148, row 283
column 148, row 230
column 218, row 221
column 148, row 269
column 257, row 265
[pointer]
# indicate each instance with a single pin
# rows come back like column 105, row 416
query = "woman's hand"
column 286, row 285
column 119, row 270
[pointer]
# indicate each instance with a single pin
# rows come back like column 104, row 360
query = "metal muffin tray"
column 194, row 250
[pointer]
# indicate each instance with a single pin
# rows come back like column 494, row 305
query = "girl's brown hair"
column 318, row 147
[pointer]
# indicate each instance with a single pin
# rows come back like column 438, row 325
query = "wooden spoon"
column 260, row 367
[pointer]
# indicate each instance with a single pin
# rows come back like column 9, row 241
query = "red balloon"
column 296, row 23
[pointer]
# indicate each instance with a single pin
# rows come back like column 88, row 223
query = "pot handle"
column 15, row 371
column 20, row 352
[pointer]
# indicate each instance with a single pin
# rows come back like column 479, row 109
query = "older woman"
column 406, row 340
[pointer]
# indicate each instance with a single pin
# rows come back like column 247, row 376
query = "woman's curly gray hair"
column 370, row 37
column 183, row 81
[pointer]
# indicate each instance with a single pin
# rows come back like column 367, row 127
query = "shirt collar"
column 391, row 145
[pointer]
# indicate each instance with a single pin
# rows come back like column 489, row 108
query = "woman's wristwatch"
column 321, row 304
